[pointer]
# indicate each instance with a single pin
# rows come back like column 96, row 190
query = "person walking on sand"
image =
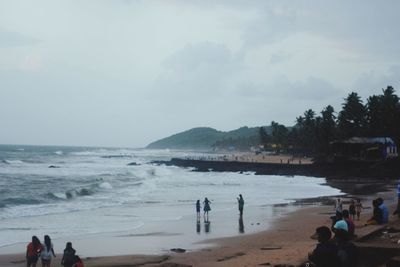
column 352, row 209
column 32, row 252
column 338, row 206
column 359, row 208
column 198, row 207
column 206, row 208
column 68, row 258
column 47, row 252
column 241, row 204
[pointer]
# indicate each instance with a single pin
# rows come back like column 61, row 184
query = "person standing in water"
column 198, row 207
column 206, row 208
column 241, row 204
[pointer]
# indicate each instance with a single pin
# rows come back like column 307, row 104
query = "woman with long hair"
column 32, row 252
column 47, row 252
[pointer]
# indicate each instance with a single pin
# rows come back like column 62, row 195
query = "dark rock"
column 178, row 250
column 270, row 248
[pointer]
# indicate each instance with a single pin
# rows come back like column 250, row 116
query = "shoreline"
column 285, row 242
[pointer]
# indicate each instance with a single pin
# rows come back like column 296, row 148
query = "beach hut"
column 365, row 148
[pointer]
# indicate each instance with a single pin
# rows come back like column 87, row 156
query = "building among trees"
column 364, row 148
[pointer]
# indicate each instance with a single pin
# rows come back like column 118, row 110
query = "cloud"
column 372, row 82
column 196, row 70
column 279, row 57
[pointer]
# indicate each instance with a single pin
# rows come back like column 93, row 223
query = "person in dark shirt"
column 377, row 217
column 346, row 250
column 325, row 253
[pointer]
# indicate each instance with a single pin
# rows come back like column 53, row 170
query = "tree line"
column 312, row 133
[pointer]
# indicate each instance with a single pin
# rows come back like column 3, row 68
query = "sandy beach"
column 286, row 242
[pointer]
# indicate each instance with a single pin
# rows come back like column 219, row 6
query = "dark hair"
column 47, row 242
column 324, row 233
column 68, row 246
column 379, row 201
column 36, row 242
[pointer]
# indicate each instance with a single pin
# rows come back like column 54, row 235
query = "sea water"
column 119, row 196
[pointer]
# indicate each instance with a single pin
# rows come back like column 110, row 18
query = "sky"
column 124, row 73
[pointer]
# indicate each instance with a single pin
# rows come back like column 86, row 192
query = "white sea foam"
column 105, row 185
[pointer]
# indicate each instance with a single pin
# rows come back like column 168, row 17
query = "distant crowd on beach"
column 45, row 252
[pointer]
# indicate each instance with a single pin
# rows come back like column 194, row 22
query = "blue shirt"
column 385, row 213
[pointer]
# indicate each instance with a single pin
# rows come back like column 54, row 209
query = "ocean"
column 116, row 194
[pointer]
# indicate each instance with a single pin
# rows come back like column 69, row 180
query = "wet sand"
column 286, row 242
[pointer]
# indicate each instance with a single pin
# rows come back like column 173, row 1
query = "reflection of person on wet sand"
column 241, row 204
column 198, row 209
column 241, row 225
column 198, row 227
column 206, row 208
column 207, row 226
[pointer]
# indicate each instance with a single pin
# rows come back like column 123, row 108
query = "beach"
column 287, row 241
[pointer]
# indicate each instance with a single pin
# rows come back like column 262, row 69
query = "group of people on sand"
column 339, row 250
column 207, row 207
column 45, row 252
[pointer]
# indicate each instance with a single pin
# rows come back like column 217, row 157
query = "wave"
column 116, row 156
column 80, row 192
column 19, row 201
column 230, row 184
column 14, row 161
column 105, row 185
column 59, row 152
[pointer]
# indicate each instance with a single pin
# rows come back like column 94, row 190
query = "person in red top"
column 32, row 252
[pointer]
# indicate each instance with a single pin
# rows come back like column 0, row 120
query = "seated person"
column 346, row 251
column 325, row 253
column 384, row 209
column 377, row 217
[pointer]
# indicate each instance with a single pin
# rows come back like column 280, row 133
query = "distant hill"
column 206, row 138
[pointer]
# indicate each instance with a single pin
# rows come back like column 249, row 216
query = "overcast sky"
column 126, row 72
